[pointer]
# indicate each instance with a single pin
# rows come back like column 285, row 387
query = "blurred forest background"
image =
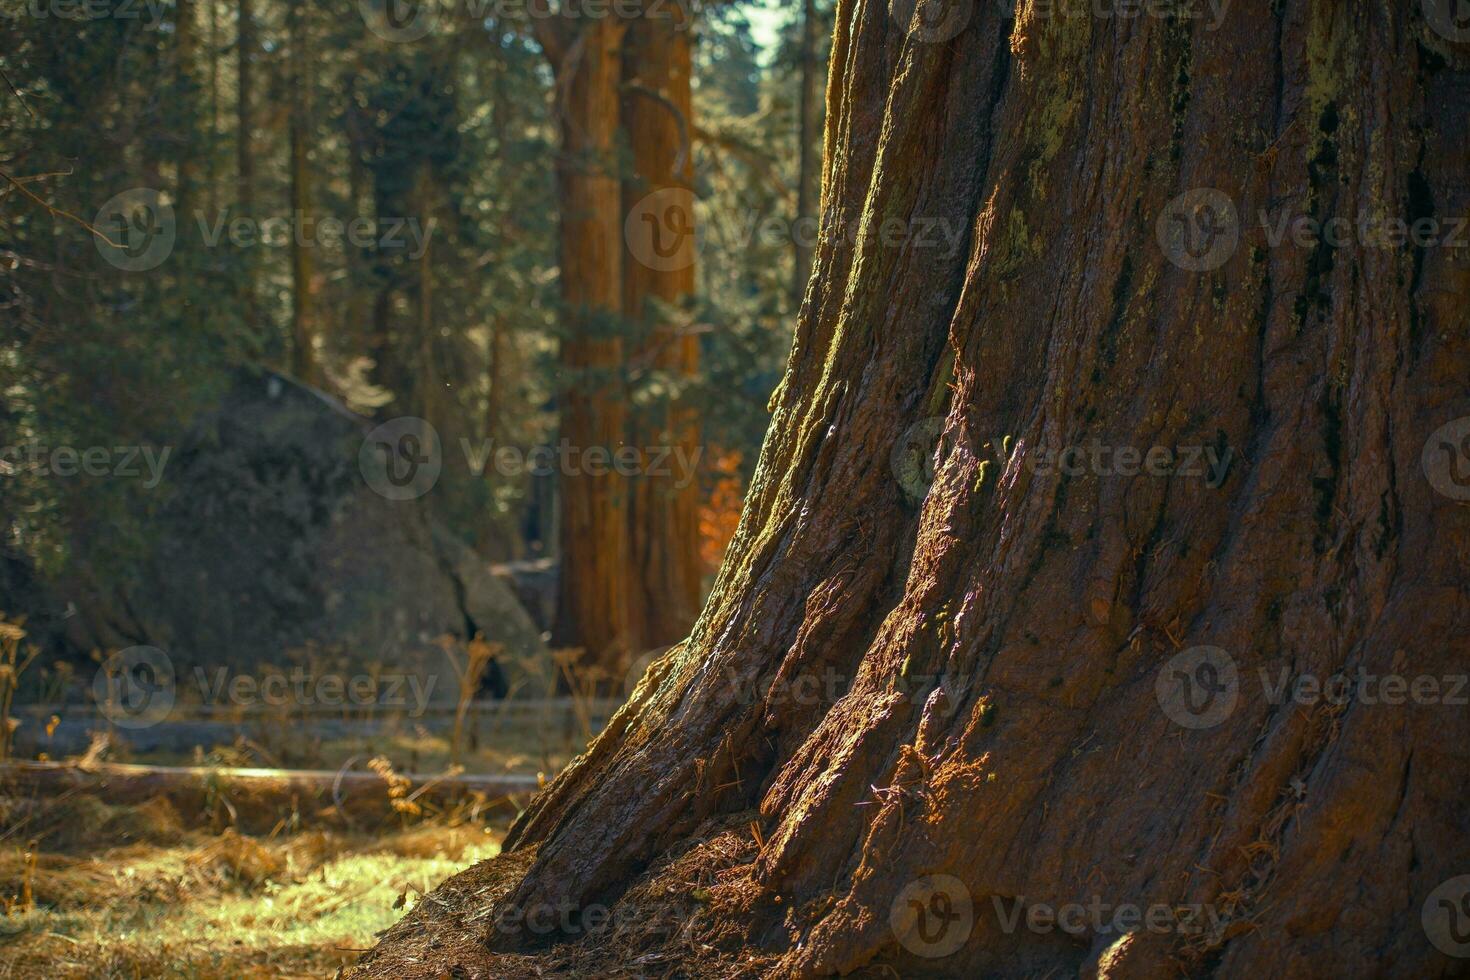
column 243, row 244
column 454, row 306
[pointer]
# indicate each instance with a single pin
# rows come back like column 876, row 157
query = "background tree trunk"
column 593, row 605
column 216, row 53
column 357, row 310
column 999, row 648
column 664, row 576
column 245, row 44
column 244, row 93
column 303, row 352
column 186, row 88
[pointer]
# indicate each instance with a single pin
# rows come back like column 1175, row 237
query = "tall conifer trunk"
column 664, row 576
column 186, row 87
column 303, row 313
column 593, row 607
column 1018, row 701
column 244, row 95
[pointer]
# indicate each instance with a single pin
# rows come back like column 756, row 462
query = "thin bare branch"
column 21, row 98
column 55, row 212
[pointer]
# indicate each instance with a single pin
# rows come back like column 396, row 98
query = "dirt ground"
column 673, row 925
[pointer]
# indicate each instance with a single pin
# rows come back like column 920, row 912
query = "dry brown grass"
column 12, row 664
column 93, row 890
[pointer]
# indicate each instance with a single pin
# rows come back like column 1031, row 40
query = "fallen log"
column 255, row 800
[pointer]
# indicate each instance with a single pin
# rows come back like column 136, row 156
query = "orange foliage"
column 719, row 512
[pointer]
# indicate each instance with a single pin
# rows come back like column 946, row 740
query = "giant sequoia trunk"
column 630, row 544
column 664, row 577
column 1003, row 727
column 593, row 606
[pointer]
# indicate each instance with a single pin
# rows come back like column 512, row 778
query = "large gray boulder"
column 271, row 547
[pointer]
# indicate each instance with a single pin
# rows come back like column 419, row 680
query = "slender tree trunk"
column 356, row 309
column 186, row 51
column 244, row 93
column 593, row 604
column 211, row 174
column 245, row 44
column 1019, row 717
column 664, row 576
column 303, row 355
column 497, row 537
column 809, row 178
column 429, row 374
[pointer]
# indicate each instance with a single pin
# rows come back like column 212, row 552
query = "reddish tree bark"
column 658, row 118
column 593, row 604
column 1007, row 649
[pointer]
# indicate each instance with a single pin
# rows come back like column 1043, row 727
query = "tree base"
column 702, row 913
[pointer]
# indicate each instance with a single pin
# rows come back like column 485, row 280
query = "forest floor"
column 682, row 920
column 104, row 891
column 93, row 889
